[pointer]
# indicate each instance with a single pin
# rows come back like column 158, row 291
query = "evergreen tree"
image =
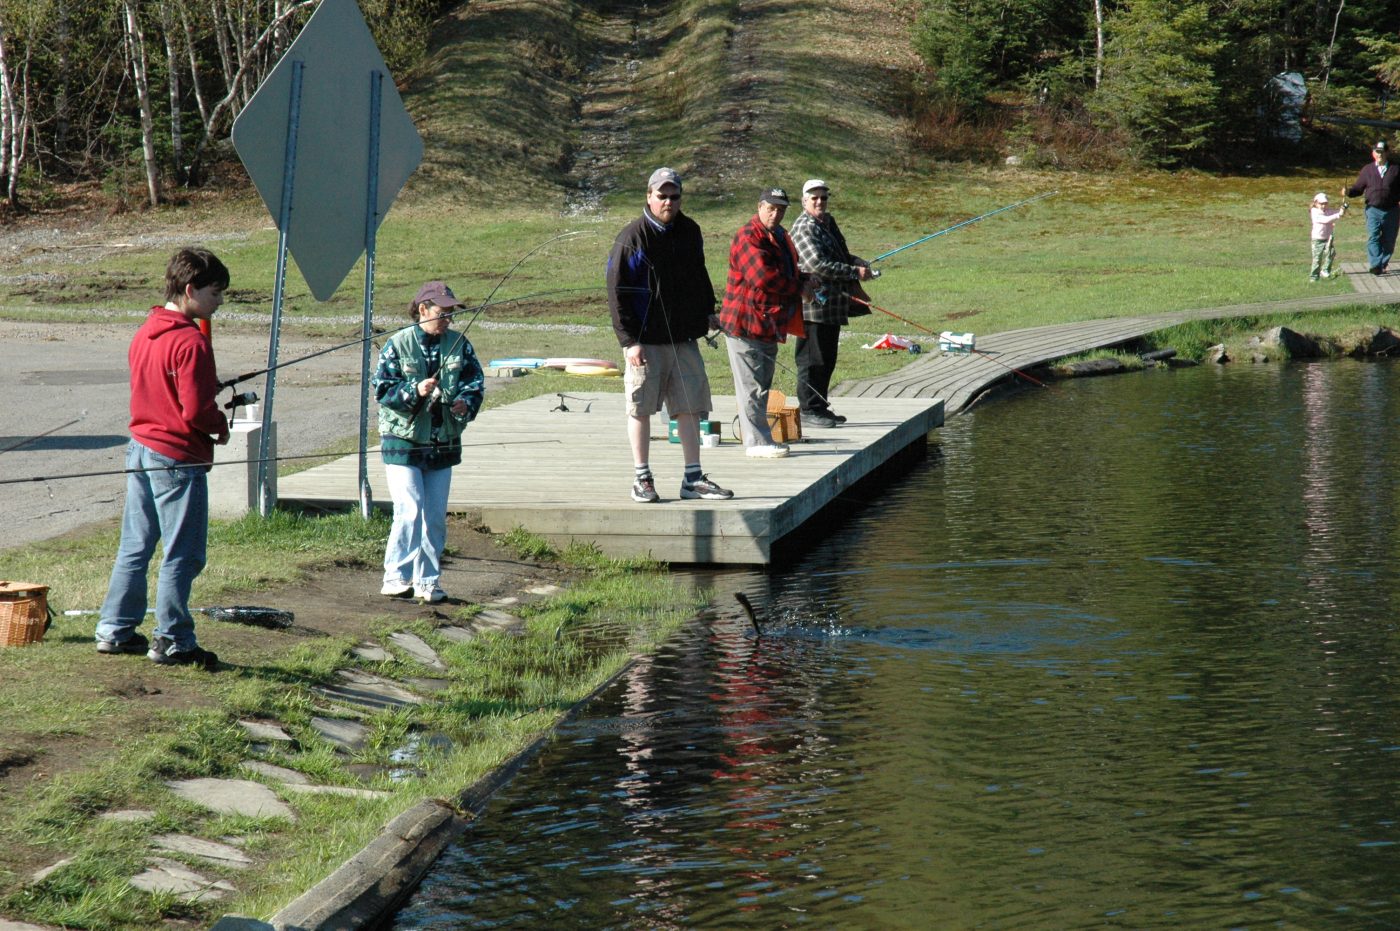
column 1159, row 84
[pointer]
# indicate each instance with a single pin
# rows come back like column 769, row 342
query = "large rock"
column 1383, row 342
column 1296, row 345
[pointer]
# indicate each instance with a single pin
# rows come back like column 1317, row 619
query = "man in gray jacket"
column 821, row 251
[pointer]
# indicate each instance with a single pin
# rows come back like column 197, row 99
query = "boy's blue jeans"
column 169, row 505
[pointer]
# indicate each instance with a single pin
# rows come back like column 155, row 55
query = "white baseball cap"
column 1321, row 198
column 812, row 184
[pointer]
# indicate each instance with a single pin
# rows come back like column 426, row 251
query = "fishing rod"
column 382, row 333
column 518, row 263
column 229, row 462
column 942, row 232
column 980, row 352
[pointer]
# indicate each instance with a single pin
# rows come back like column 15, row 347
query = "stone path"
column 179, row 862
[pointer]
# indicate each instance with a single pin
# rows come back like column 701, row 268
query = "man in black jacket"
column 1380, row 182
column 662, row 301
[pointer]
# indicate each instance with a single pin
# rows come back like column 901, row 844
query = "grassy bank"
column 113, row 751
column 733, row 95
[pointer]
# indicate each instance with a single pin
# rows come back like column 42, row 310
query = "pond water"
column 1122, row 653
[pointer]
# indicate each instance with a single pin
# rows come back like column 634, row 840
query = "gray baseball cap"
column 663, row 176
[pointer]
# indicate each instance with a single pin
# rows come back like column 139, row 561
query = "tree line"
column 143, row 89
column 1175, row 81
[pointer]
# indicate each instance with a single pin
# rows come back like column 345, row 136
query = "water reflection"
column 1123, row 655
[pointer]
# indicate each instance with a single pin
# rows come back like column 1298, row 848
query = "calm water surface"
column 1118, row 654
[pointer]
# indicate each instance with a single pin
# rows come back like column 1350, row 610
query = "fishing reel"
column 246, row 399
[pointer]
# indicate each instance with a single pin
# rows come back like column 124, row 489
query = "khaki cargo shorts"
column 672, row 373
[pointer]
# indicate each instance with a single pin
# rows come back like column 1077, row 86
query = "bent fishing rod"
column 479, row 308
column 980, row 352
column 875, row 273
column 386, row 333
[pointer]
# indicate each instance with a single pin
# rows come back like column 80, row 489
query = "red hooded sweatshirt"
column 174, row 410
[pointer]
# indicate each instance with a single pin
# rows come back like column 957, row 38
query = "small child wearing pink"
column 1324, row 254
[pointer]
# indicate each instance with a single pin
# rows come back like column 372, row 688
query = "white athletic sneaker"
column 776, row 451
column 396, row 588
column 430, row 596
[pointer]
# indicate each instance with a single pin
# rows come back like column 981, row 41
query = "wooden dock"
column 1367, row 283
column 959, row 377
column 566, row 475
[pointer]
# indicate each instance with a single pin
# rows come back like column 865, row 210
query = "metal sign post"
column 284, row 214
column 376, row 82
column 304, row 113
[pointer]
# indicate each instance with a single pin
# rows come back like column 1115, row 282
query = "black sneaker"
column 820, row 418
column 644, row 491
column 840, row 418
column 162, row 652
column 136, row 643
column 704, row 488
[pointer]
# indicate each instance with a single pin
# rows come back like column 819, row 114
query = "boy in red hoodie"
column 175, row 422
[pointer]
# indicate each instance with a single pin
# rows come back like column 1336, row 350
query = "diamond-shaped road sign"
column 326, row 230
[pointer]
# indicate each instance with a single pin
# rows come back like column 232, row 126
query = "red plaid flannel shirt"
column 763, row 294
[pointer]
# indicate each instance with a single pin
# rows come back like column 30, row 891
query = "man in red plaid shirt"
column 762, row 305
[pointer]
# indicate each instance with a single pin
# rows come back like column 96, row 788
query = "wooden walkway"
column 958, row 378
column 567, row 475
column 1367, row 283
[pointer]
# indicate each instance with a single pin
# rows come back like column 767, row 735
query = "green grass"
column 503, row 689
column 496, row 102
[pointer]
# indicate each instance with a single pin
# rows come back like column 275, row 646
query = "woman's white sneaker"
column 776, row 451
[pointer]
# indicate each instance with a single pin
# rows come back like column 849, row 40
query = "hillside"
column 580, row 100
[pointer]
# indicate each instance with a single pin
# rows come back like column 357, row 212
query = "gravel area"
column 71, row 379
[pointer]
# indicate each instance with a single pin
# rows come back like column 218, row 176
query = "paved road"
column 54, row 374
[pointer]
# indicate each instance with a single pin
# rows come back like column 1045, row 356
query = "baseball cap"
column 1380, row 147
column 437, row 292
column 663, row 176
column 1321, row 198
column 775, row 196
column 812, row 184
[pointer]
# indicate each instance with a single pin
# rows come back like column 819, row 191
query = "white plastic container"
column 956, row 342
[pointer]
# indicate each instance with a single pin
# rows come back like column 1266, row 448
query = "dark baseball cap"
column 437, row 292
column 775, row 196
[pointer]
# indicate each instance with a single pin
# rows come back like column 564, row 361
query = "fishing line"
column 980, row 352
column 214, row 465
column 449, row 315
column 714, row 344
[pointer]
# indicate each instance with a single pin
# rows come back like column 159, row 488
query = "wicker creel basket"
column 24, row 613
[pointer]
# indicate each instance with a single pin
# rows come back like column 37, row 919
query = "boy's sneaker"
column 704, row 488
column 775, row 451
column 396, row 589
column 163, row 653
column 133, row 644
column 644, row 491
column 430, row 595
column 824, row 419
column 1312, row 278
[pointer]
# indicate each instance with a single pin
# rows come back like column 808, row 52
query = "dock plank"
column 567, row 476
